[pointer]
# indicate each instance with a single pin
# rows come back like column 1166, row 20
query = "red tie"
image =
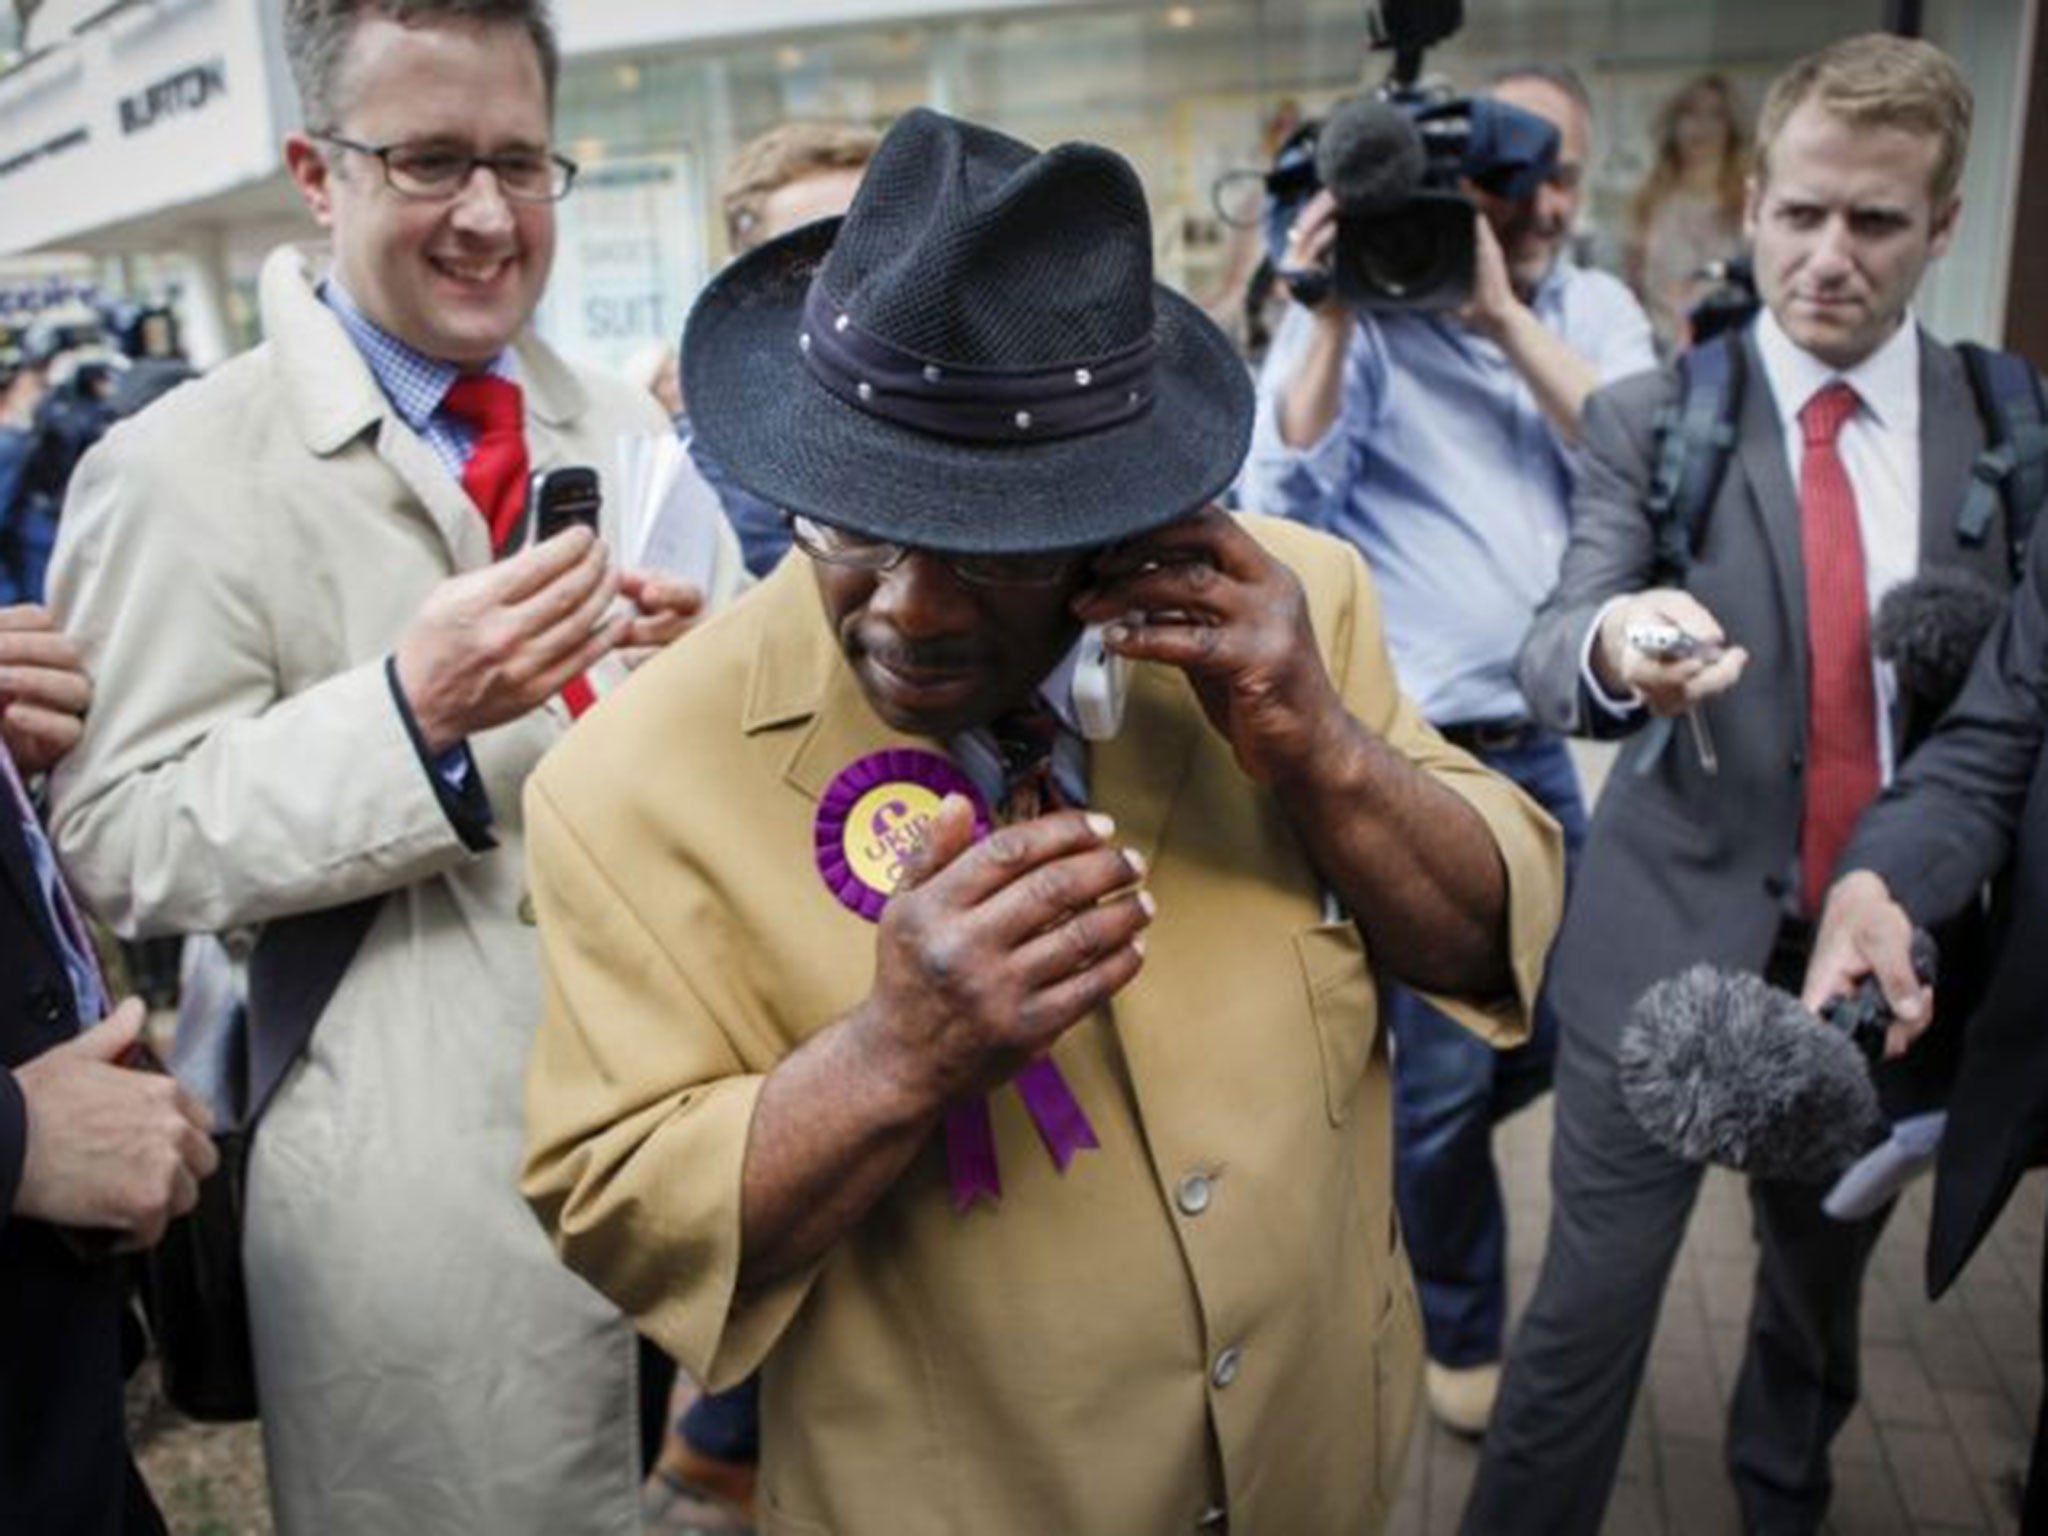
column 495, row 475
column 1841, row 721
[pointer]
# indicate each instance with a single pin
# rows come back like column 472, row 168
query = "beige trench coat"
column 1210, row 1313
column 237, row 562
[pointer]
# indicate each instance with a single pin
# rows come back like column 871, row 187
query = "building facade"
column 142, row 136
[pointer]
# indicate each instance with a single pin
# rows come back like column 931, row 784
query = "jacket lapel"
column 555, row 401
column 1137, row 775
column 1774, row 502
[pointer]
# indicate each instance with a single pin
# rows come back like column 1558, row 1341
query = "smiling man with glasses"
column 328, row 654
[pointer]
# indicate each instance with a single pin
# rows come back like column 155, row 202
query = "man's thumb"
column 111, row 1038
column 947, row 835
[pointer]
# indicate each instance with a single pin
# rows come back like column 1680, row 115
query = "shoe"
column 691, row 1494
column 1462, row 1397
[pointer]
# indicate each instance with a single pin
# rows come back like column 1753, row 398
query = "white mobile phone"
column 1667, row 642
column 1101, row 679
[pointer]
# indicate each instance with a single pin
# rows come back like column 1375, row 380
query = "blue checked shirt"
column 414, row 383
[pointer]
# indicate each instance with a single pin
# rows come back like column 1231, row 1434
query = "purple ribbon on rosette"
column 868, row 819
column 971, row 1140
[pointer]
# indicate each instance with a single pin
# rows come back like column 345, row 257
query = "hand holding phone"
column 1664, row 641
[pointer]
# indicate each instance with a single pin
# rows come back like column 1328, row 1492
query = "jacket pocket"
column 1344, row 1006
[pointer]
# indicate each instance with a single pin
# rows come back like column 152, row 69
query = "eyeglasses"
column 856, row 551
column 436, row 172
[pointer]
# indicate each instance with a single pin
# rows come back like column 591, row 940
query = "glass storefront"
column 1188, row 90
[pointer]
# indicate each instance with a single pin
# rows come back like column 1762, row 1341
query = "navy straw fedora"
column 975, row 359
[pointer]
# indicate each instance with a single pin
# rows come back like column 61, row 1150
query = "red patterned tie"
column 1841, row 721
column 495, row 475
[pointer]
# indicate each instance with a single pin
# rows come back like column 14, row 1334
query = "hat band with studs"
column 977, row 405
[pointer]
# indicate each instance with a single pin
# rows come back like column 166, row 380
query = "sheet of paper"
column 669, row 514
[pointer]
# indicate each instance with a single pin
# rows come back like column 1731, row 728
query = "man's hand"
column 668, row 608
column 109, row 1147
column 1314, row 393
column 1311, row 249
column 491, row 645
column 1493, row 307
column 1862, row 930
column 989, row 952
column 1666, row 687
column 1204, row 596
column 43, row 689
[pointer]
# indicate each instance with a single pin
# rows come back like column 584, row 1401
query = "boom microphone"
column 1720, row 1067
column 1370, row 156
column 1930, row 629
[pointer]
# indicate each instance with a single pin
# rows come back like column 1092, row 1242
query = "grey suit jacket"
column 1681, row 867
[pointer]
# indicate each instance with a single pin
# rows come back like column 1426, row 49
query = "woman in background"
column 1688, row 211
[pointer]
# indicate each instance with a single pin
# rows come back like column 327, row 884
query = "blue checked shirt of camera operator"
column 1442, row 470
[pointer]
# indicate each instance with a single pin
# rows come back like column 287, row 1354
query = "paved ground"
column 1949, row 1388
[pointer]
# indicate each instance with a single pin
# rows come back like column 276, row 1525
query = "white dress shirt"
column 1880, row 450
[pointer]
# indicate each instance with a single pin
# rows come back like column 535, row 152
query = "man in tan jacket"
column 1044, row 1174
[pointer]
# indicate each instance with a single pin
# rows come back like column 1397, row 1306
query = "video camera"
column 1396, row 161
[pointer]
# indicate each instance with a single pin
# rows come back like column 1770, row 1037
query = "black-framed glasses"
column 858, row 552
column 436, row 172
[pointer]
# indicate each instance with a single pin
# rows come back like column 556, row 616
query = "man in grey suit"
column 1855, row 438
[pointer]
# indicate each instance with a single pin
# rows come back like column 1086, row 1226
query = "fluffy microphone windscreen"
column 1721, row 1067
column 1369, row 155
column 1929, row 629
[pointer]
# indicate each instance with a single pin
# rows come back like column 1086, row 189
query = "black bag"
column 233, row 1055
column 196, row 1302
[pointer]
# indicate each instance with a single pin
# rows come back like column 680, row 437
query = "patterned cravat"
column 1025, row 740
column 1841, row 721
column 495, row 475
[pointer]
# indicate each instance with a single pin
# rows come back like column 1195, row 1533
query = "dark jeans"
column 725, row 1425
column 1450, row 1090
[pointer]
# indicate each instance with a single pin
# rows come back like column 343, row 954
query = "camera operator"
column 1439, row 444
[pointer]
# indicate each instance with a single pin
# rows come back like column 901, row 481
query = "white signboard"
column 628, row 260
column 151, row 107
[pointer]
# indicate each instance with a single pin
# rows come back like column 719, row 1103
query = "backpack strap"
column 1693, row 437
column 2013, row 468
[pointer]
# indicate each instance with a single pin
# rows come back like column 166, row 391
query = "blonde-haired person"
column 1688, row 211
column 792, row 174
